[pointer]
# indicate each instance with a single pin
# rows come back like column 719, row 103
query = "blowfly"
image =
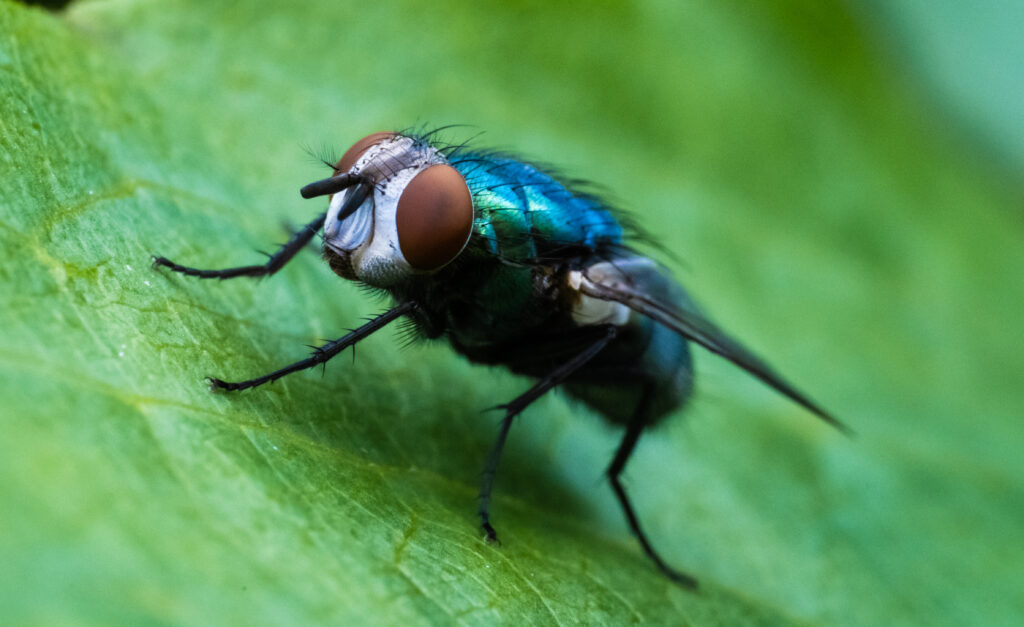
column 515, row 268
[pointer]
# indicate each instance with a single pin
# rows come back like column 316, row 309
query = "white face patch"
column 381, row 262
column 355, row 229
column 369, row 237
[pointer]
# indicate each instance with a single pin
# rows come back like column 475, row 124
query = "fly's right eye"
column 434, row 217
column 352, row 154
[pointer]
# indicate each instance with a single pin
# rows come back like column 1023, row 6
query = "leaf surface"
column 828, row 212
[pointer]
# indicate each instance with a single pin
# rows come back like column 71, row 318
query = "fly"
column 513, row 268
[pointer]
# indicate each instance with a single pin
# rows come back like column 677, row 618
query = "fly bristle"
column 325, row 154
column 408, row 333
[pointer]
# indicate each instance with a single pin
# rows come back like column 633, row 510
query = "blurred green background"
column 841, row 182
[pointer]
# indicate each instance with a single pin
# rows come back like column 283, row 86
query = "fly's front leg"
column 637, row 423
column 322, row 353
column 276, row 261
column 514, row 408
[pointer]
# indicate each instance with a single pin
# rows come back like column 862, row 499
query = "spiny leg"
column 322, row 353
column 515, row 407
column 277, row 261
column 633, row 430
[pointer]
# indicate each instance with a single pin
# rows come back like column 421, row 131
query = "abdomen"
column 645, row 358
column 557, row 324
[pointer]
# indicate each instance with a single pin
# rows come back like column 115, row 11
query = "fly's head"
column 397, row 210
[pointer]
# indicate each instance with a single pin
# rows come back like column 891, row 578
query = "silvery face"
column 364, row 246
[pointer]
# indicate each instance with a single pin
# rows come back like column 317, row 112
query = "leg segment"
column 515, row 407
column 275, row 263
column 321, row 353
column 633, row 430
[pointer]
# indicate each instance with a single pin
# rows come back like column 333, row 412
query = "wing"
column 623, row 281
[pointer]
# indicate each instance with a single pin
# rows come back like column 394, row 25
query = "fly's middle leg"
column 321, row 354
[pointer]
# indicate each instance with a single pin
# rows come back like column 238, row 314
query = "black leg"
column 322, row 353
column 275, row 263
column 515, row 407
column 633, row 430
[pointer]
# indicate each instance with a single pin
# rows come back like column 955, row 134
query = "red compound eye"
column 352, row 154
column 434, row 218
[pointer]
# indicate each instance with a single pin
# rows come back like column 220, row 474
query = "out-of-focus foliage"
column 969, row 56
column 825, row 207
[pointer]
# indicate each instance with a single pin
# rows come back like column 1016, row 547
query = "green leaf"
column 828, row 212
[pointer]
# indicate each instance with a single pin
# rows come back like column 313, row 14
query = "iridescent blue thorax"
column 524, row 215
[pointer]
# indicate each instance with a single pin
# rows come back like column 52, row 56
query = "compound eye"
column 434, row 217
column 352, row 154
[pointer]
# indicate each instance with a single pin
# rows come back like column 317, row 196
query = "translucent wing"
column 629, row 281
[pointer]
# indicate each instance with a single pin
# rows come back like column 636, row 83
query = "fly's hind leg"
column 514, row 408
column 636, row 425
column 276, row 261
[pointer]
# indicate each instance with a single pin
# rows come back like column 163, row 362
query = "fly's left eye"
column 434, row 217
column 352, row 154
